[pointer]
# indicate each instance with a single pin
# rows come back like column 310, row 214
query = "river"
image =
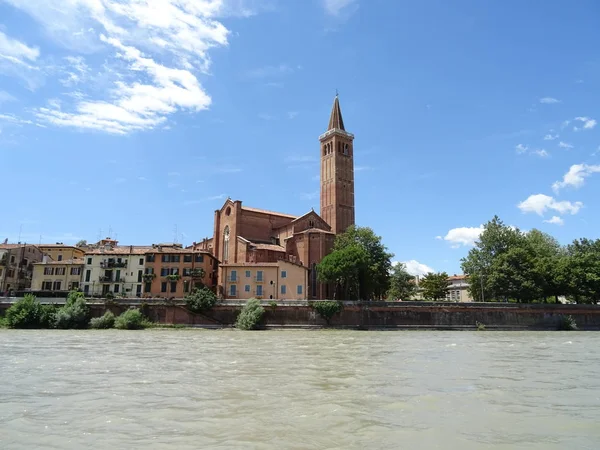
column 191, row 389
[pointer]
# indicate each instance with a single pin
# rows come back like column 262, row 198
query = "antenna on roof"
column 20, row 231
column 99, row 234
column 110, row 232
column 175, row 235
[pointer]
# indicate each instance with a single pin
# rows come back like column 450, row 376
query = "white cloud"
column 588, row 123
column 576, row 176
column 265, row 116
column 292, row 114
column 211, row 198
column 562, row 144
column 415, row 268
column 6, row 97
column 541, row 152
column 337, row 7
column 555, row 220
column 520, row 148
column 465, row 236
column 549, row 100
column 550, row 137
column 540, row 203
column 157, row 46
column 16, row 51
column 11, row 118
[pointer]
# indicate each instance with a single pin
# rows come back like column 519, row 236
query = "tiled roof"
column 59, row 246
column 11, row 246
column 314, row 230
column 264, row 211
column 272, row 247
column 177, row 251
column 262, row 264
column 63, row 262
column 458, row 277
column 120, row 250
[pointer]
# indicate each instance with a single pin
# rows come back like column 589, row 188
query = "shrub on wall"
column 132, row 319
column 200, row 300
column 327, row 308
column 567, row 323
column 250, row 316
column 29, row 313
column 104, row 322
column 75, row 313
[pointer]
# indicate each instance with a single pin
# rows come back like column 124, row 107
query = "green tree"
column 132, row 319
column 495, row 239
column 29, row 313
column 369, row 268
column 435, row 285
column 402, row 284
column 250, row 316
column 81, row 243
column 200, row 300
column 550, row 260
column 514, row 275
column 75, row 313
column 327, row 309
column 582, row 269
column 343, row 268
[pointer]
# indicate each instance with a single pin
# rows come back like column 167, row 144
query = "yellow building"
column 57, row 276
column 282, row 280
column 60, row 252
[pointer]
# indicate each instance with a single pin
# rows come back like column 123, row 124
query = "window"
column 186, row 286
column 187, row 271
column 175, row 258
column 86, row 289
column 232, row 291
column 48, row 270
column 226, row 243
column 75, row 285
column 187, row 258
column 149, row 258
column 247, row 274
column 147, row 287
column 283, row 289
column 165, row 258
column 47, row 286
column 75, row 270
column 233, row 275
column 283, row 274
column 163, row 286
column 56, row 286
column 60, row 271
column 89, row 260
column 259, row 290
column 149, row 270
column 247, row 288
column 116, row 289
column 173, row 286
column 299, row 289
column 200, row 258
column 140, row 274
column 118, row 276
column 59, row 257
column 88, row 275
column 164, row 272
column 141, row 263
column 259, row 275
column 138, row 289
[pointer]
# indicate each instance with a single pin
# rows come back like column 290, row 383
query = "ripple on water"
column 189, row 389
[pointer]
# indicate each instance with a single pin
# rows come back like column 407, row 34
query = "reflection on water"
column 190, row 389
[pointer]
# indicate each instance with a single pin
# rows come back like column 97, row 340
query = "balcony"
column 113, row 264
column 110, row 280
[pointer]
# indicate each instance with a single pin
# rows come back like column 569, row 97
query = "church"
column 244, row 234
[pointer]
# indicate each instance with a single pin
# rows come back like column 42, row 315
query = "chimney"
column 131, row 249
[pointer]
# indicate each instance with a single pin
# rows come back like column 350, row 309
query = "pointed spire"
column 336, row 121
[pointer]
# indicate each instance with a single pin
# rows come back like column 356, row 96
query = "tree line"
column 508, row 264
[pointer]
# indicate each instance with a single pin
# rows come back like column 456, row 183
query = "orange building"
column 172, row 271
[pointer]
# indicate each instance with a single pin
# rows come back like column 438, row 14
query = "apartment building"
column 16, row 266
column 57, row 276
column 172, row 271
column 458, row 289
column 111, row 268
column 60, row 252
column 282, row 280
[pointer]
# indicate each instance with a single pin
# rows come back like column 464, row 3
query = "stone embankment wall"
column 377, row 315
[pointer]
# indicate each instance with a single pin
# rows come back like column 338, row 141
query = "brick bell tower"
column 337, row 173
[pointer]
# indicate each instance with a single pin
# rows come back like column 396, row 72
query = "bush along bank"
column 29, row 313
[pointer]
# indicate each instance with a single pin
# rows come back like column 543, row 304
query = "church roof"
column 264, row 211
column 336, row 122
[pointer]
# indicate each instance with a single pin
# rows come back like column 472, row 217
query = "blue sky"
column 141, row 119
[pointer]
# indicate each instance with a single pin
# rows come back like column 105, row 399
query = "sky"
column 137, row 119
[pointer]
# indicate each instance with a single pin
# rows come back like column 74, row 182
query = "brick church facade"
column 249, row 235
